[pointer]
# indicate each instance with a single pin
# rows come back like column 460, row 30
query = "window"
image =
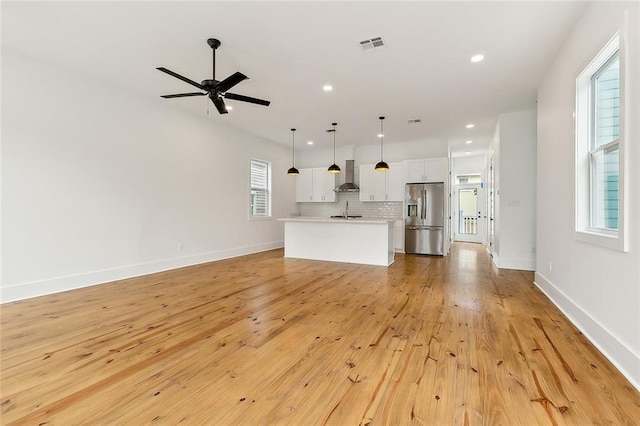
column 604, row 145
column 600, row 149
column 260, row 204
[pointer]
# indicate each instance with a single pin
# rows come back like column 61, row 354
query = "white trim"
column 616, row 240
column 268, row 189
column 252, row 218
column 522, row 264
column 70, row 282
column 623, row 358
column 481, row 223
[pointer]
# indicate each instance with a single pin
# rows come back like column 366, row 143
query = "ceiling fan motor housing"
column 209, row 83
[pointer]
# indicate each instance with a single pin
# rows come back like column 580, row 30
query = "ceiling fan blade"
column 185, row 79
column 183, row 95
column 230, row 81
column 246, row 99
column 219, row 103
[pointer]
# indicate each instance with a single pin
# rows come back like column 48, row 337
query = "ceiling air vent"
column 414, row 121
column 372, row 44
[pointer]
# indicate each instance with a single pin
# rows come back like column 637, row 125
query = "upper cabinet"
column 324, row 184
column 304, row 185
column 315, row 185
column 382, row 186
column 426, row 170
column 396, row 182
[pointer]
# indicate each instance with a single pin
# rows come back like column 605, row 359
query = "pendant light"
column 293, row 171
column 382, row 166
column 334, row 167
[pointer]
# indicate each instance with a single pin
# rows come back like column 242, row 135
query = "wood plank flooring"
column 265, row 340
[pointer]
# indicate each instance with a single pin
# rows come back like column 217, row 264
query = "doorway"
column 469, row 215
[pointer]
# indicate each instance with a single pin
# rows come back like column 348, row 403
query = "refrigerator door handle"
column 423, row 214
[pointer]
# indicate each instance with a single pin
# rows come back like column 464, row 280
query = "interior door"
column 469, row 213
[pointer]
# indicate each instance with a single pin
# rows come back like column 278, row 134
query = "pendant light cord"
column 382, row 137
column 334, row 143
column 293, row 150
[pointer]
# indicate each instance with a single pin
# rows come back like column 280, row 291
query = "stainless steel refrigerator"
column 424, row 218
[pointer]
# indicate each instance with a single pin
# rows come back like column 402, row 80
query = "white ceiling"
column 291, row 49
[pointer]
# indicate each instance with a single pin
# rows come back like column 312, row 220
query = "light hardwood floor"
column 265, row 340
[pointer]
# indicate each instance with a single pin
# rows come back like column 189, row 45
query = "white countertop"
column 336, row 220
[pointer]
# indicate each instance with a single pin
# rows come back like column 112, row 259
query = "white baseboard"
column 515, row 263
column 613, row 349
column 70, row 282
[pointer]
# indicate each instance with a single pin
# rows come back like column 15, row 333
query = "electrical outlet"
column 550, row 266
column 180, row 246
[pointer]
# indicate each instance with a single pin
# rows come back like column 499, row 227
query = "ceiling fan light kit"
column 214, row 89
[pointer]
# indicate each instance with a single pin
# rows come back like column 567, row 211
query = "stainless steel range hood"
column 348, row 185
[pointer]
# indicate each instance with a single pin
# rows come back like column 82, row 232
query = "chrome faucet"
column 346, row 211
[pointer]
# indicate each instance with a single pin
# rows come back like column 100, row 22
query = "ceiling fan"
column 216, row 90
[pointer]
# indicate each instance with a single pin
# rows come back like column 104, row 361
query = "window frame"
column 584, row 148
column 267, row 215
column 595, row 149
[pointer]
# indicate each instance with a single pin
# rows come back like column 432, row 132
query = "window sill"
column 610, row 240
column 259, row 218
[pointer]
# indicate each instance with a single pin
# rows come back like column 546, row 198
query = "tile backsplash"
column 377, row 210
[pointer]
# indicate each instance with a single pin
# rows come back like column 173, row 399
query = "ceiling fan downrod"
column 214, row 43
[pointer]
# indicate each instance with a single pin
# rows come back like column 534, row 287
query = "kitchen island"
column 365, row 241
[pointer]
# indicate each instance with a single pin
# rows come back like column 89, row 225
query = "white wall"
column 100, row 184
column 598, row 288
column 429, row 148
column 514, row 150
column 469, row 164
column 370, row 154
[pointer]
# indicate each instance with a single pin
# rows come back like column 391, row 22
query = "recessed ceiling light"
column 470, row 126
column 468, row 142
column 468, row 152
column 380, row 135
column 327, row 87
column 477, row 58
column 309, row 142
column 229, row 108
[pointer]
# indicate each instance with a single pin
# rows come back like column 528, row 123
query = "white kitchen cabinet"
column 373, row 184
column 324, row 184
column 398, row 236
column 304, row 186
column 426, row 170
column 395, row 182
column 382, row 186
column 315, row 185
